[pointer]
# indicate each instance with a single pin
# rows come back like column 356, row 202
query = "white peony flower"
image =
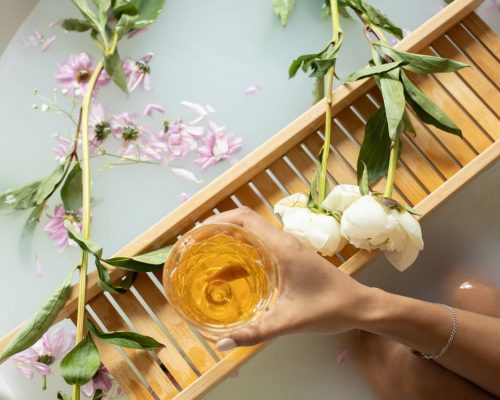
column 318, row 232
column 341, row 197
column 369, row 225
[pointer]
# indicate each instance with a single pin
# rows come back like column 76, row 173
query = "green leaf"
column 364, row 188
column 382, row 21
column 149, row 10
column 49, row 184
column 76, row 25
column 107, row 285
column 407, row 124
column 318, row 89
column 32, row 194
column 376, row 147
column 85, row 244
column 129, row 264
column 89, row 15
column 80, row 364
column 428, row 111
column 283, row 9
column 129, row 7
column 125, row 24
column 373, row 70
column 62, row 396
column 421, row 64
column 317, row 64
column 130, row 340
column 114, row 68
column 156, row 257
column 71, row 191
column 34, row 328
column 394, row 102
column 99, row 395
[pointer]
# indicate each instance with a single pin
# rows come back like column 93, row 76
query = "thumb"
column 257, row 332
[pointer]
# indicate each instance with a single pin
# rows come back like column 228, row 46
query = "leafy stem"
column 393, row 159
column 85, row 109
column 335, row 18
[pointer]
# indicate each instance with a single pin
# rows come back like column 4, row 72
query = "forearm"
column 426, row 327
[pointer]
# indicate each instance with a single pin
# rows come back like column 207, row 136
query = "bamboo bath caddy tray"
column 433, row 166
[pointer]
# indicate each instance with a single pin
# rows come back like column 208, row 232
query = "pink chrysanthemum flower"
column 99, row 127
column 181, row 139
column 101, row 380
column 51, row 347
column 74, row 74
column 137, row 142
column 138, row 72
column 56, row 230
column 218, row 145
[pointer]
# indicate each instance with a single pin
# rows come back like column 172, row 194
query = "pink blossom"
column 99, row 127
column 252, row 89
column 74, row 74
column 184, row 197
column 101, row 380
column 137, row 141
column 56, row 230
column 342, row 353
column 151, row 108
column 51, row 347
column 200, row 110
column 39, row 39
column 138, row 72
column 181, row 139
column 218, row 145
column 61, row 150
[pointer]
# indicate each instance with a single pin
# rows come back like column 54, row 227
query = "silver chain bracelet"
column 454, row 328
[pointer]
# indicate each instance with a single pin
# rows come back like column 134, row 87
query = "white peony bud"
column 341, row 197
column 405, row 254
column 318, row 232
column 369, row 225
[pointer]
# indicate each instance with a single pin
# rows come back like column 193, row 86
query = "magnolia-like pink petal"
column 342, row 353
column 48, row 43
column 146, row 82
column 151, row 108
column 184, row 197
column 184, row 173
column 252, row 89
column 38, row 267
column 88, row 389
column 134, row 80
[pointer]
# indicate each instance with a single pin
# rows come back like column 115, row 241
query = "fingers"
column 273, row 323
column 255, row 333
column 244, row 217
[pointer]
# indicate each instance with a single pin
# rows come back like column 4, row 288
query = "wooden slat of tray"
column 145, row 363
column 482, row 58
column 169, row 355
column 483, row 34
column 479, row 83
column 122, row 373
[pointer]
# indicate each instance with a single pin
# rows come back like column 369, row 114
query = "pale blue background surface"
column 209, row 52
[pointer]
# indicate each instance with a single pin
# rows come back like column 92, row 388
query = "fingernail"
column 226, row 344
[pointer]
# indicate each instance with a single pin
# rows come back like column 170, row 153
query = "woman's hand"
column 314, row 296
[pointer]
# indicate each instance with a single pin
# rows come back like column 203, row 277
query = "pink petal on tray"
column 342, row 353
column 151, row 108
column 184, row 173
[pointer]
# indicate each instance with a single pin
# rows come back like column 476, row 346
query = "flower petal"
column 292, row 201
column 341, row 197
column 151, row 108
column 184, row 173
